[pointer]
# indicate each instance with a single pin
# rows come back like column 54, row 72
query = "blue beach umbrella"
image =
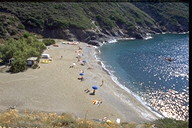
column 81, row 74
column 94, row 87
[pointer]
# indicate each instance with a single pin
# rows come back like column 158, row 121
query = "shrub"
column 170, row 123
column 18, row 65
column 48, row 42
column 21, row 26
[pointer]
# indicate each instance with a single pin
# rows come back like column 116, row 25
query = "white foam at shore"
column 114, row 78
column 148, row 37
column 174, row 32
column 116, row 40
column 112, row 41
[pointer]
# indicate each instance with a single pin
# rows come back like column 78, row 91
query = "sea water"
column 141, row 66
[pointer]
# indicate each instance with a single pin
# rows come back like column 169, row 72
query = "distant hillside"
column 95, row 22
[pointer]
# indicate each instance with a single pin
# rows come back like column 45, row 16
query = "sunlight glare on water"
column 140, row 65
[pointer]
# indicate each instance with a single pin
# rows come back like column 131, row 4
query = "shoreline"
column 125, row 92
column 114, row 79
column 55, row 88
column 149, row 36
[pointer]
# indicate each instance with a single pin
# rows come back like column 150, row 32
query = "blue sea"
column 141, row 66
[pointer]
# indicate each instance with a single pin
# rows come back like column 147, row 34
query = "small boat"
column 169, row 59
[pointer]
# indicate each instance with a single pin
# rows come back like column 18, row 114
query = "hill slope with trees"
column 95, row 22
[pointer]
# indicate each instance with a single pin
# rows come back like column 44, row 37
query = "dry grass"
column 13, row 118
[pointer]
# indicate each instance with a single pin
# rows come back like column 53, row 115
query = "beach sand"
column 54, row 87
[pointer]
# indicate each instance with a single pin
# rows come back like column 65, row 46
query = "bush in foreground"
column 170, row 123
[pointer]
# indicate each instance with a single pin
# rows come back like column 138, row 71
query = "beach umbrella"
column 81, row 74
column 94, row 87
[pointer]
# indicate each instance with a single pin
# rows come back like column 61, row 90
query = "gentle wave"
column 175, row 32
column 117, row 39
column 148, row 37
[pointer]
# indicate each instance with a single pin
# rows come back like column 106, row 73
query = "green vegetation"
column 167, row 14
column 170, row 123
column 51, row 19
column 13, row 118
column 36, row 16
column 10, row 26
column 21, row 49
column 48, row 42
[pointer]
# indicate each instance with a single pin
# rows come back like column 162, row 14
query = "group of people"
column 79, row 56
column 79, row 53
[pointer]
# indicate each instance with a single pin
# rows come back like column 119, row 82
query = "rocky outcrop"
column 98, row 37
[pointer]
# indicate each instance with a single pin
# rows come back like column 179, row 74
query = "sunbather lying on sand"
column 87, row 90
column 81, row 78
column 97, row 102
column 73, row 65
column 89, row 68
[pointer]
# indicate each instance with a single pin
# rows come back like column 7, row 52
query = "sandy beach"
column 55, row 87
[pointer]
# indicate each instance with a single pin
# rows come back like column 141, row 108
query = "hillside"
column 10, row 26
column 95, row 22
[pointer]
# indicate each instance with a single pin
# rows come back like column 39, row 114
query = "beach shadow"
column 91, row 93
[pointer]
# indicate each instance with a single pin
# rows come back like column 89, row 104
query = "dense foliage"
column 10, row 26
column 21, row 49
column 40, row 16
column 167, row 14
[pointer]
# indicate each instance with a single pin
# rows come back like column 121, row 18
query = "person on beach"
column 61, row 57
column 87, row 90
column 78, row 57
column 83, row 62
column 104, row 119
column 79, row 48
column 73, row 65
column 81, row 71
column 102, row 83
column 89, row 68
column 81, row 78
